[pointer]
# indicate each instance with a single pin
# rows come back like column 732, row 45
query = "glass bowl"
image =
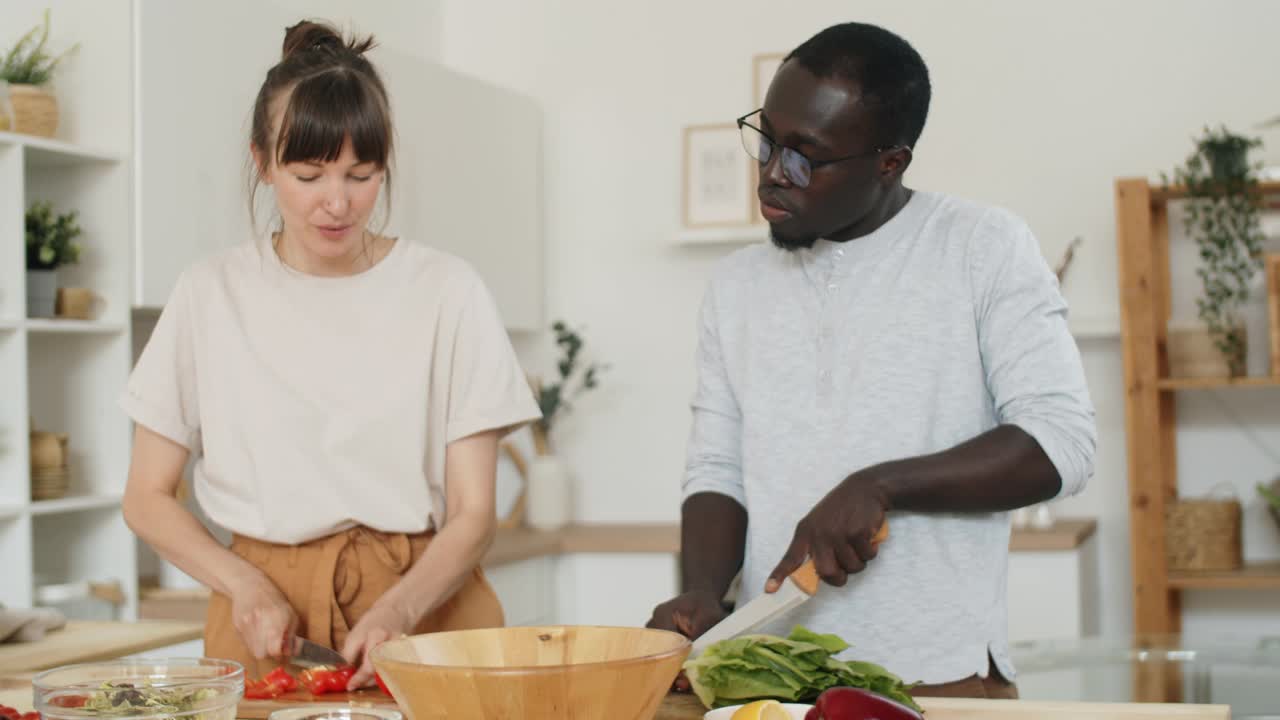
column 141, row 689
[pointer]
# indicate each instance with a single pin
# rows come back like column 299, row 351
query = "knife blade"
column 796, row 589
column 308, row 654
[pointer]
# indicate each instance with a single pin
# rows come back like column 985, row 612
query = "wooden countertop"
column 83, row 641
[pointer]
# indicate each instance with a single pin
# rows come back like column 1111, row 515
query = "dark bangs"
column 324, row 110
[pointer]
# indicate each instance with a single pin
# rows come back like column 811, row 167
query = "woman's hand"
column 381, row 623
column 263, row 617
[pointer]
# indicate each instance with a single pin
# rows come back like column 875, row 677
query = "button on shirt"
column 813, row 364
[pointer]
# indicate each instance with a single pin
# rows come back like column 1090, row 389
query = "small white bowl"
column 795, row 710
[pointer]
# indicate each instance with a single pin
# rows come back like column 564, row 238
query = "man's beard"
column 791, row 244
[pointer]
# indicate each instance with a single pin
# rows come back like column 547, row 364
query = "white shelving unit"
column 65, row 375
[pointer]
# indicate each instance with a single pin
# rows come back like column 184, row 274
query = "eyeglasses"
column 795, row 166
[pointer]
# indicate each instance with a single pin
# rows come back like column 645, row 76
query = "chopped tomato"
column 381, row 685
column 69, row 701
column 33, row 715
column 320, row 681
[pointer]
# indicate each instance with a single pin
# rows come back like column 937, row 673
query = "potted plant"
column 549, row 491
column 1222, row 217
column 50, row 244
column 26, row 69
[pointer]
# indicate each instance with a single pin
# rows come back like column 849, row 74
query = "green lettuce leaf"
column 796, row 668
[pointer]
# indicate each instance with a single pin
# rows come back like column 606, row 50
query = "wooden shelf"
column 46, row 152
column 1212, row 383
column 1151, row 419
column 1250, row 577
column 1161, row 194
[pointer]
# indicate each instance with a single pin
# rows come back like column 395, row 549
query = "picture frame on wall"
column 717, row 187
column 763, row 67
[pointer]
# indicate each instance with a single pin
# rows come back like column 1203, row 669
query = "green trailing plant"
column 1222, row 216
column 574, row 379
column 51, row 240
column 29, row 62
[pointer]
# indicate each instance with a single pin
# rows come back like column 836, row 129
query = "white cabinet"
column 1054, row 594
column 614, row 589
column 526, row 590
column 64, row 375
column 619, row 589
column 467, row 176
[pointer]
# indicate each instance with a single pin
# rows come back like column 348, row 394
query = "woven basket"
column 1203, row 535
column 35, row 110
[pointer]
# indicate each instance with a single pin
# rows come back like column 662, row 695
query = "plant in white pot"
column 51, row 243
column 26, row 69
column 1222, row 217
column 549, row 488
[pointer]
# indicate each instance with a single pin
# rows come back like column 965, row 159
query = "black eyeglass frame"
column 813, row 164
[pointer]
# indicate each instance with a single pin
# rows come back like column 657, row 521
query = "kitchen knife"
column 312, row 655
column 797, row 588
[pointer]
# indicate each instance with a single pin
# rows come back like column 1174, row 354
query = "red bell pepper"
column 272, row 685
column 320, row 681
column 282, row 679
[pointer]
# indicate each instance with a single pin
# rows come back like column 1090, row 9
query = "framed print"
column 763, row 68
column 716, row 189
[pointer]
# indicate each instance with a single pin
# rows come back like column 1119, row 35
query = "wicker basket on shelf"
column 35, row 110
column 1203, row 534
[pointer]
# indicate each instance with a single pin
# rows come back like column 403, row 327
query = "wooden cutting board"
column 260, row 709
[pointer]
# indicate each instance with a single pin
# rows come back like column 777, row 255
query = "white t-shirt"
column 313, row 404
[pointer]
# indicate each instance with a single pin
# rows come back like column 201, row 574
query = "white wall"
column 1037, row 107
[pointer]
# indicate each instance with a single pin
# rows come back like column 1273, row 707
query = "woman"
column 343, row 393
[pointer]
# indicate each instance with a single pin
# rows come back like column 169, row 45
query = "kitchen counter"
column 82, row 641
column 16, row 691
column 683, row 706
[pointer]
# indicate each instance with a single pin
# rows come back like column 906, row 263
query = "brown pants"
column 992, row 687
column 333, row 581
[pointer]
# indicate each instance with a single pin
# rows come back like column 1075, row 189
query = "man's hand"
column 690, row 614
column 838, row 533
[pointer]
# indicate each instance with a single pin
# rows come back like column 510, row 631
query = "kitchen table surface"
column 87, row 641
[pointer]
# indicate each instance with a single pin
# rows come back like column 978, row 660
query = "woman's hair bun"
column 309, row 35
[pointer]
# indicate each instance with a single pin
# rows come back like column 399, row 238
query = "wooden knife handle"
column 806, row 576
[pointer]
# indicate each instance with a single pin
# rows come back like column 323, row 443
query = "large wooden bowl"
column 558, row 672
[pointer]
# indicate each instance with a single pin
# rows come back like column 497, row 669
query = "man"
column 895, row 355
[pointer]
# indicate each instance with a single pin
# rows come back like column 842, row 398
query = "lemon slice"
column 762, row 710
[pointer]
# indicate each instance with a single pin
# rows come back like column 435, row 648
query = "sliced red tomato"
column 33, row 715
column 69, row 701
column 381, row 685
